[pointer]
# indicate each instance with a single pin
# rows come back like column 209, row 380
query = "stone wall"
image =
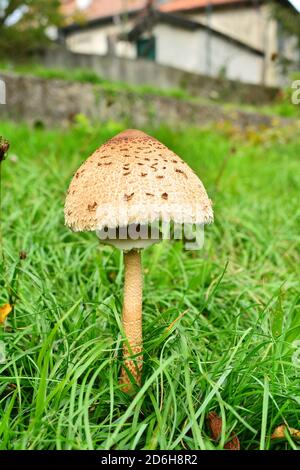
column 145, row 72
column 57, row 102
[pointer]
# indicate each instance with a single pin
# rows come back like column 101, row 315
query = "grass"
column 233, row 351
column 88, row 76
column 282, row 107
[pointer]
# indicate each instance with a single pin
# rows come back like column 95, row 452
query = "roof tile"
column 105, row 8
column 100, row 8
column 181, row 5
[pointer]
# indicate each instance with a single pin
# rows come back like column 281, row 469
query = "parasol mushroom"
column 128, row 185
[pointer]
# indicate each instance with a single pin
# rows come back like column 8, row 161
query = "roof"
column 184, row 5
column 104, row 9
column 97, row 9
column 188, row 5
column 100, row 8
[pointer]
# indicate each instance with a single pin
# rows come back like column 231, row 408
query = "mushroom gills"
column 131, row 237
column 138, row 236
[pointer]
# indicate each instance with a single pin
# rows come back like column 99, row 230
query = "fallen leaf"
column 233, row 444
column 4, row 312
column 215, row 427
column 4, row 146
column 280, row 432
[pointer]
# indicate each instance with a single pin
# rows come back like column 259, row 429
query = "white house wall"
column 243, row 23
column 188, row 50
column 233, row 61
column 95, row 41
column 256, row 27
column 178, row 48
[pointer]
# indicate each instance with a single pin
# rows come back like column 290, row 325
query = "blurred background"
column 242, row 40
column 224, row 51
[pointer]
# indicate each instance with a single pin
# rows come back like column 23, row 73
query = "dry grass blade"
column 169, row 328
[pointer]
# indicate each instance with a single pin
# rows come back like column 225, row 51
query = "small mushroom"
column 123, row 211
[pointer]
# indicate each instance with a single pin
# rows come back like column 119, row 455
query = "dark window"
column 146, row 48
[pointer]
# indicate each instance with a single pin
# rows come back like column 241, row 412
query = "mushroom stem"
column 132, row 321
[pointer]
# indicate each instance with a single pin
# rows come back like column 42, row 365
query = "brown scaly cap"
column 133, row 178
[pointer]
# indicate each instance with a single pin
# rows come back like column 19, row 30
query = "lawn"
column 282, row 107
column 220, row 325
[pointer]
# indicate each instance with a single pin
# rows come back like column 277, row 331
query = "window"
column 146, row 48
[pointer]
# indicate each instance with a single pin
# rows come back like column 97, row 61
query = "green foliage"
column 282, row 107
column 234, row 349
column 287, row 17
column 87, row 76
column 31, row 18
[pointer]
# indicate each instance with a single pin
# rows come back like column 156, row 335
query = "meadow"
column 221, row 326
column 281, row 107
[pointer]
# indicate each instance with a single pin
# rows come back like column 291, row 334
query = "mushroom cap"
column 134, row 179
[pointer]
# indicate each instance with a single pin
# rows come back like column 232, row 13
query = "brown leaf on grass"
column 4, row 312
column 4, row 146
column 215, row 427
column 233, row 444
column 280, row 432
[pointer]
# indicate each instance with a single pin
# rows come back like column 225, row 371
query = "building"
column 237, row 39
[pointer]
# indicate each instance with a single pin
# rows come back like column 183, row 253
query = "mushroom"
column 121, row 191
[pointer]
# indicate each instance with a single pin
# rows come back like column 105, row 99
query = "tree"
column 287, row 17
column 24, row 25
